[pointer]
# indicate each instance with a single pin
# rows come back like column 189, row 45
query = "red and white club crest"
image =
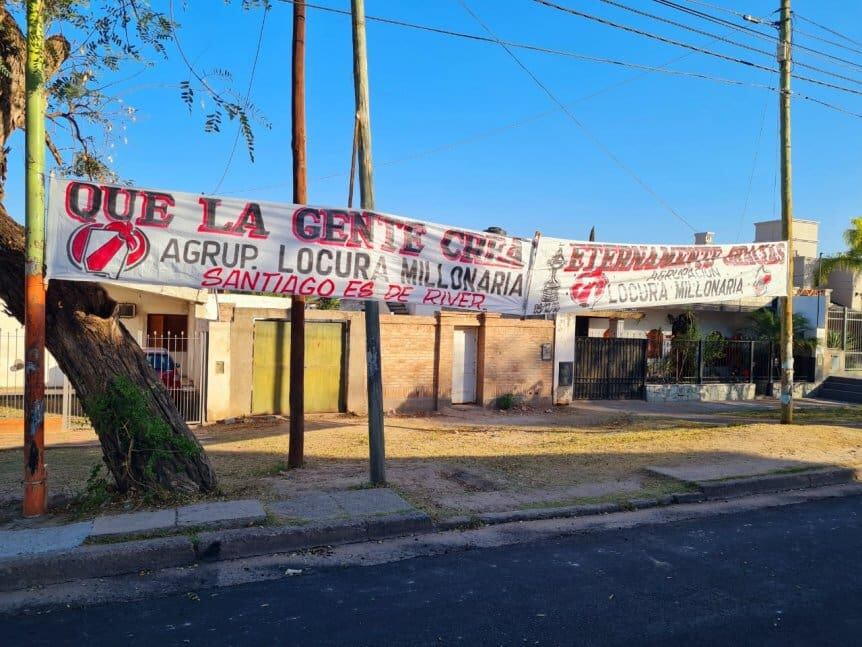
column 762, row 279
column 107, row 249
column 589, row 287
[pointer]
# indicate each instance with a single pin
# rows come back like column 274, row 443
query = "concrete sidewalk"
column 224, row 530
column 298, row 511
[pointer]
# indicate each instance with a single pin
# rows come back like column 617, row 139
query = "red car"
column 164, row 366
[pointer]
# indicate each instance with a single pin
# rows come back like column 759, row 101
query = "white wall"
column 844, row 292
column 12, row 356
column 727, row 323
column 564, row 351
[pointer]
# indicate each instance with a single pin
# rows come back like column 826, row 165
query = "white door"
column 464, row 366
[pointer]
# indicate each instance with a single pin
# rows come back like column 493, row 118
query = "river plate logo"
column 107, row 250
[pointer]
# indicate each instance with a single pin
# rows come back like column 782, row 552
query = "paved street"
column 777, row 576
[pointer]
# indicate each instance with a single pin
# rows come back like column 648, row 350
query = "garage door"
column 324, row 350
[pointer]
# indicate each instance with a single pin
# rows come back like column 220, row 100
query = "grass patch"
column 803, row 414
column 423, row 454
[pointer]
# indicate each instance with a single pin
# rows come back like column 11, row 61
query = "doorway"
column 464, row 365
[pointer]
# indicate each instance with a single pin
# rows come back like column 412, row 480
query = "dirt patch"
column 447, row 464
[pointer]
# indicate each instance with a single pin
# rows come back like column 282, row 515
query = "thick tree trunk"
column 93, row 350
column 83, row 333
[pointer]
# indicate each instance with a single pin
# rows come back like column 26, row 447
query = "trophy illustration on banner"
column 550, row 301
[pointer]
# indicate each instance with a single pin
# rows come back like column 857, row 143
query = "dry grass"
column 436, row 460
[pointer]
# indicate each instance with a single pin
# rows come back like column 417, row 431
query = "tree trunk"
column 83, row 333
column 93, row 349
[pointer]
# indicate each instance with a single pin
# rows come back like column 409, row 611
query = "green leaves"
column 140, row 435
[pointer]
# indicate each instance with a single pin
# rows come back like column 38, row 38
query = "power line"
column 577, row 122
column 595, row 59
column 663, row 39
column 499, row 129
column 711, row 5
column 808, row 34
column 695, row 30
column 247, row 97
column 843, row 62
column 702, row 32
column 644, row 69
column 753, row 169
column 827, row 29
column 671, row 41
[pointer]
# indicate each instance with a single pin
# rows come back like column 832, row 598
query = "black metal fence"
column 722, row 360
column 609, row 369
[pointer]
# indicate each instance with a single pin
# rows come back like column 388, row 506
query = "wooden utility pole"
column 784, row 64
column 35, row 474
column 353, row 162
column 296, row 448
column 366, row 194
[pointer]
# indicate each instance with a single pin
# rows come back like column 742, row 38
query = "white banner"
column 131, row 235
column 99, row 232
column 569, row 275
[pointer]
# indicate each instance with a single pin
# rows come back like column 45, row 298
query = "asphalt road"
column 784, row 576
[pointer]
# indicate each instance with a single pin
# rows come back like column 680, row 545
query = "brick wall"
column 407, row 347
column 416, row 354
column 511, row 360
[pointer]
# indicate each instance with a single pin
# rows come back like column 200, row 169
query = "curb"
column 86, row 562
column 776, row 483
column 105, row 560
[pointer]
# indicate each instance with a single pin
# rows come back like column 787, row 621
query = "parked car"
column 164, row 366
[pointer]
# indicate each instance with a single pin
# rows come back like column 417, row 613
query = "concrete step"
column 840, row 386
column 828, row 393
column 849, row 381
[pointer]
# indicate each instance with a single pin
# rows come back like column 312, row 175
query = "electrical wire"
column 751, row 176
column 493, row 131
column 595, row 59
column 711, row 5
column 808, row 34
column 247, row 97
column 827, row 29
column 596, row 142
column 644, row 69
column 671, row 41
column 843, row 62
column 707, row 33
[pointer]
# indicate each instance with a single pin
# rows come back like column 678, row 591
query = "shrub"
column 506, row 401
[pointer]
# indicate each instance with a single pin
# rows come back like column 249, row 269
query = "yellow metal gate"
column 324, row 353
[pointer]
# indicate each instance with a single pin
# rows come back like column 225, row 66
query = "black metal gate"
column 609, row 369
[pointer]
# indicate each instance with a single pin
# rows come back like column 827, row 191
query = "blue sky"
column 694, row 142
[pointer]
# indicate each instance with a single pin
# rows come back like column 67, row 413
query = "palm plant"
column 765, row 325
column 850, row 260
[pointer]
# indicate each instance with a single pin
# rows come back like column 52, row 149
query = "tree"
column 851, row 259
column 765, row 325
column 150, row 447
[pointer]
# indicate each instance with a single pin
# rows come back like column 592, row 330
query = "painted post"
column 784, row 62
column 376, row 449
column 296, row 396
column 35, row 475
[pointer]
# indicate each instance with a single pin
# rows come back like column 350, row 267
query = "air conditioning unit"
column 126, row 310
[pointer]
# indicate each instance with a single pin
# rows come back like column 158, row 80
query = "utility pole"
column 353, row 162
column 296, row 443
column 35, row 475
column 376, row 448
column 784, row 64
